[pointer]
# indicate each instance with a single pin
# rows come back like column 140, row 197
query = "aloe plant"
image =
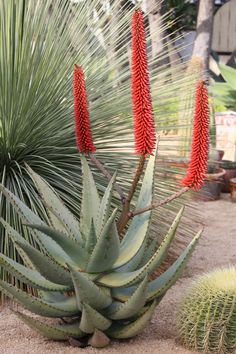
column 40, row 41
column 83, row 273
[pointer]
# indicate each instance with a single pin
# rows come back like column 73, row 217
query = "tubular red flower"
column 200, row 140
column 144, row 127
column 83, row 132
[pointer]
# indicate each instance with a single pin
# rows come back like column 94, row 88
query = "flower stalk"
column 83, row 132
column 200, row 140
column 144, row 126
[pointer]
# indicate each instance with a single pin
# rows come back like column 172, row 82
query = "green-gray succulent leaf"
column 107, row 248
column 105, row 206
column 130, row 307
column 158, row 287
column 90, row 199
column 29, row 276
column 24, row 212
column 56, row 206
column 91, row 240
column 122, row 331
column 45, row 265
column 73, row 249
column 161, row 284
column 51, row 247
column 149, row 251
column 121, row 279
column 92, row 319
column 39, row 306
column 157, row 258
column 135, row 261
column 87, row 291
column 28, row 217
column 140, row 224
column 15, row 236
column 52, row 331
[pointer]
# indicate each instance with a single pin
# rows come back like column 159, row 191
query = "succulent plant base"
column 83, row 272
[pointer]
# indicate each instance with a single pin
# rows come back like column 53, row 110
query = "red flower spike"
column 83, row 132
column 200, row 140
column 144, row 127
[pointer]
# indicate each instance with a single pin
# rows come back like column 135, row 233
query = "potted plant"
column 230, row 172
column 211, row 189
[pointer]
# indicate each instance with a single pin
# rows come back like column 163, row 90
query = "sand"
column 216, row 248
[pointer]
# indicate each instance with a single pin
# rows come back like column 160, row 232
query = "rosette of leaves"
column 82, row 272
column 40, row 41
column 207, row 318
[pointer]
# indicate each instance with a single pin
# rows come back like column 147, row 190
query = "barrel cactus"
column 84, row 275
column 207, row 318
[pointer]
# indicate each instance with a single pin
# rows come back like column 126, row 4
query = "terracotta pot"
column 230, row 172
column 232, row 184
column 212, row 186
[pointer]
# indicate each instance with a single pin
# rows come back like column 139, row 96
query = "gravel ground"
column 217, row 248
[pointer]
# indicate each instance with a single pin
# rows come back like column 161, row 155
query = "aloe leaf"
column 53, row 250
column 132, row 306
column 87, row 291
column 91, row 239
column 91, row 320
column 56, row 223
column 161, row 284
column 149, row 251
column 74, row 250
column 140, row 223
column 46, row 266
column 134, row 262
column 52, row 331
column 105, row 206
column 122, row 331
column 50, row 246
column 117, row 279
column 52, row 296
column 56, row 206
column 14, row 235
column 34, row 259
column 39, row 306
column 25, row 213
column 29, row 276
column 107, row 247
column 121, row 279
column 161, row 252
column 90, row 199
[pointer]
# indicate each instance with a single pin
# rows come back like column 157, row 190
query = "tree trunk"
column 160, row 42
column 202, row 44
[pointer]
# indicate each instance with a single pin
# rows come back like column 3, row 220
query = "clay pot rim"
column 232, row 181
column 215, row 176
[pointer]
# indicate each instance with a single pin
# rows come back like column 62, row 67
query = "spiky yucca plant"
column 84, row 275
column 207, row 318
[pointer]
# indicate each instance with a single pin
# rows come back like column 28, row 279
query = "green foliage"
column 87, row 274
column 182, row 13
column 225, row 92
column 40, row 41
column 207, row 318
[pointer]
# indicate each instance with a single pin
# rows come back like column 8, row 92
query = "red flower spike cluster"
column 144, row 127
column 83, row 132
column 200, row 140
